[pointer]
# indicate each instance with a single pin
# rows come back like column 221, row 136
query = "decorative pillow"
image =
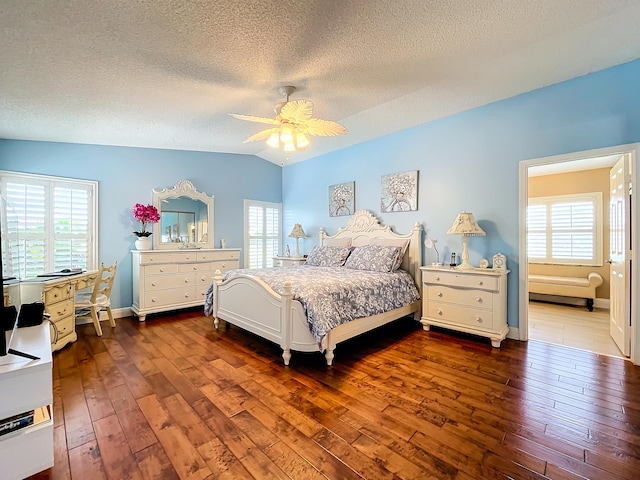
column 403, row 243
column 327, row 256
column 337, row 242
column 377, row 258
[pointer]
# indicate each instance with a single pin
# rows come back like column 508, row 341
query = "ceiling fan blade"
column 251, row 118
column 297, row 111
column 324, row 128
column 261, row 135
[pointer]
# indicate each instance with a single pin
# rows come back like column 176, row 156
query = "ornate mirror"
column 186, row 217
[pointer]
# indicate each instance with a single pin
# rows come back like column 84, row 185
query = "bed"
column 279, row 314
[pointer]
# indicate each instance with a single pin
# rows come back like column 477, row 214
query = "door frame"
column 634, row 150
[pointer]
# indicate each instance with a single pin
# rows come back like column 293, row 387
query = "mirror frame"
column 184, row 188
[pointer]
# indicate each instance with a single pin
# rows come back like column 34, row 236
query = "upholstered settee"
column 567, row 286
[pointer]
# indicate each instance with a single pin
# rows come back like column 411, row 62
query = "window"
column 565, row 230
column 48, row 223
column 262, row 227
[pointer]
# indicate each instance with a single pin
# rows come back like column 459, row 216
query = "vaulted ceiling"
column 166, row 74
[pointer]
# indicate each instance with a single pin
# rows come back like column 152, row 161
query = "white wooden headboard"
column 364, row 225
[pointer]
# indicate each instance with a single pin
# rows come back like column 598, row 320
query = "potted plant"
column 145, row 214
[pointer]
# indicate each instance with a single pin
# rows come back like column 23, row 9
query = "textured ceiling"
column 166, row 74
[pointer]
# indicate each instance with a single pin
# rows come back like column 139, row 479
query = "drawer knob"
column 478, row 299
column 480, row 282
column 186, row 295
column 153, row 284
column 478, row 319
column 186, row 280
column 154, row 300
column 437, row 279
column 440, row 294
column 195, row 267
column 439, row 312
column 162, row 269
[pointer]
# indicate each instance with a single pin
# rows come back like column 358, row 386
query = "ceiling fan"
column 294, row 124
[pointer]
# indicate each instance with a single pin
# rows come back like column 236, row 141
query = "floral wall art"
column 399, row 192
column 342, row 200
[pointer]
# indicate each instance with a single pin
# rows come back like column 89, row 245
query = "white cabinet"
column 471, row 301
column 288, row 261
column 26, row 385
column 171, row 279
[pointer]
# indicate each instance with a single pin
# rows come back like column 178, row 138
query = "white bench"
column 567, row 286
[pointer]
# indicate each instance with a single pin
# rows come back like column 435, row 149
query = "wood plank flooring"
column 174, row 399
column 572, row 326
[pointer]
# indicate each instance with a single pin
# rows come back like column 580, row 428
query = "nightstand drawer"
column 453, row 278
column 469, row 298
column 456, row 314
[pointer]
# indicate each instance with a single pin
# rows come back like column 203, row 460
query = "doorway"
column 588, row 160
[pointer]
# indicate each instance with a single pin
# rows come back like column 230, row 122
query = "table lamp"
column 297, row 232
column 465, row 225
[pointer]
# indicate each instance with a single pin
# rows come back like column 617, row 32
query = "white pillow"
column 337, row 242
column 403, row 243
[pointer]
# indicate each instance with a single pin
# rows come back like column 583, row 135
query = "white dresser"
column 172, row 279
column 471, row 301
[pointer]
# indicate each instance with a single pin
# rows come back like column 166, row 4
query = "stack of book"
column 22, row 420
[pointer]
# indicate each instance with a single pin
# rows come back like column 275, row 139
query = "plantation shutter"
column 262, row 233
column 48, row 224
column 565, row 230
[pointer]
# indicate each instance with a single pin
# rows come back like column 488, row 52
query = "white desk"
column 58, row 295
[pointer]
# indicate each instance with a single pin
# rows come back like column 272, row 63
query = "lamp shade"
column 297, row 232
column 465, row 224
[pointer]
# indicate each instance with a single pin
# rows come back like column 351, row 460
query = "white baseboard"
column 514, row 333
column 117, row 313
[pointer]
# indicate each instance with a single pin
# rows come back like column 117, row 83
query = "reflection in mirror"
column 186, row 217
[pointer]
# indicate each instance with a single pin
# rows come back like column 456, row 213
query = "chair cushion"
column 83, row 300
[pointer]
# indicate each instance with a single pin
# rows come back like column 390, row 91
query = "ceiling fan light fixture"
column 286, row 133
column 289, row 147
column 274, row 140
column 302, row 140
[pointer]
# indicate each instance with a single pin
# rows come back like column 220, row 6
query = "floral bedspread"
column 331, row 296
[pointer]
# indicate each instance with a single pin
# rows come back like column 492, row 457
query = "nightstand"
column 471, row 301
column 288, row 261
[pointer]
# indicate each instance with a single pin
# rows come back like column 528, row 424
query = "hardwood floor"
column 173, row 398
column 572, row 326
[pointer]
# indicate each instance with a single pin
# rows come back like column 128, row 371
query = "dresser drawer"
column 224, row 265
column 60, row 310
column 162, row 268
column 195, row 267
column 456, row 314
column 57, row 294
column 174, row 296
column 149, row 258
column 484, row 282
column 465, row 297
column 218, row 255
column 162, row 282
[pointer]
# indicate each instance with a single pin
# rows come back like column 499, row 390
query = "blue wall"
column 127, row 176
column 469, row 161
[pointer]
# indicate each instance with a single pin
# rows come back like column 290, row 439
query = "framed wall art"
column 342, row 199
column 399, row 192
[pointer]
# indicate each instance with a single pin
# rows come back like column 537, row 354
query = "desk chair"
column 90, row 302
